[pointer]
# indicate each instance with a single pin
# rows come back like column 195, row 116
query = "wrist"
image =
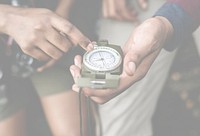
column 6, row 12
column 166, row 25
column 3, row 18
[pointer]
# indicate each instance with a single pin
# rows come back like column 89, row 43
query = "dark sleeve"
column 184, row 17
column 192, row 7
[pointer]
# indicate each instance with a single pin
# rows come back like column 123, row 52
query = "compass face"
column 102, row 58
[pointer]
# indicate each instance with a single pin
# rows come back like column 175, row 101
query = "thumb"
column 129, row 64
column 131, row 61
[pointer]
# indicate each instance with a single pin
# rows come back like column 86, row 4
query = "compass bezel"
column 87, row 62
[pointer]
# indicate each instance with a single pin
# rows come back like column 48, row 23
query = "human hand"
column 42, row 34
column 148, row 38
column 140, row 51
column 119, row 9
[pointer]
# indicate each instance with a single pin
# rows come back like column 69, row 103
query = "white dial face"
column 102, row 58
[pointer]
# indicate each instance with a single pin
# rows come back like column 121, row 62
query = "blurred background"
column 178, row 108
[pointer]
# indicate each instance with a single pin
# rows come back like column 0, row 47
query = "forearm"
column 63, row 7
column 5, row 10
column 166, row 26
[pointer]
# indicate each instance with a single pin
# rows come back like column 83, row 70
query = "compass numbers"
column 102, row 59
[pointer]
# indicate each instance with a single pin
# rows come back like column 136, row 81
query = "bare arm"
column 64, row 7
column 4, row 11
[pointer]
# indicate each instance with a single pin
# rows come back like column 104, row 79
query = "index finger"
column 98, row 92
column 47, row 65
column 70, row 30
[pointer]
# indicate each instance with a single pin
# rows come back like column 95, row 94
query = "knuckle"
column 53, row 54
column 142, row 74
column 43, row 57
column 78, row 57
column 39, row 57
column 26, row 48
column 58, row 39
column 46, row 11
column 33, row 39
column 100, row 101
column 62, row 43
column 44, row 20
column 49, row 50
column 68, row 27
column 38, row 27
column 83, row 43
column 63, row 47
column 134, row 56
column 66, row 47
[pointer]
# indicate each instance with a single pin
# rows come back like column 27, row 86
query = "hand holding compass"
column 101, row 66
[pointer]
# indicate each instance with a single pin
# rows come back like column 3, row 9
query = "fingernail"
column 90, row 47
column 93, row 43
column 132, row 66
column 75, row 88
column 84, row 43
column 72, row 72
column 38, row 27
column 77, row 63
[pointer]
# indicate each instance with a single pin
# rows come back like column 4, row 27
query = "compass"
column 102, row 66
column 102, row 59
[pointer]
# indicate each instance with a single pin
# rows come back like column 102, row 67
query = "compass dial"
column 102, row 58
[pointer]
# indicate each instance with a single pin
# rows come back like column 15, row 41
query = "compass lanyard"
column 88, row 110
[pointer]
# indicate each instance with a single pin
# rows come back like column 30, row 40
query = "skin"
column 62, row 113
column 45, row 42
column 119, row 10
column 140, row 51
column 14, row 125
column 49, row 35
